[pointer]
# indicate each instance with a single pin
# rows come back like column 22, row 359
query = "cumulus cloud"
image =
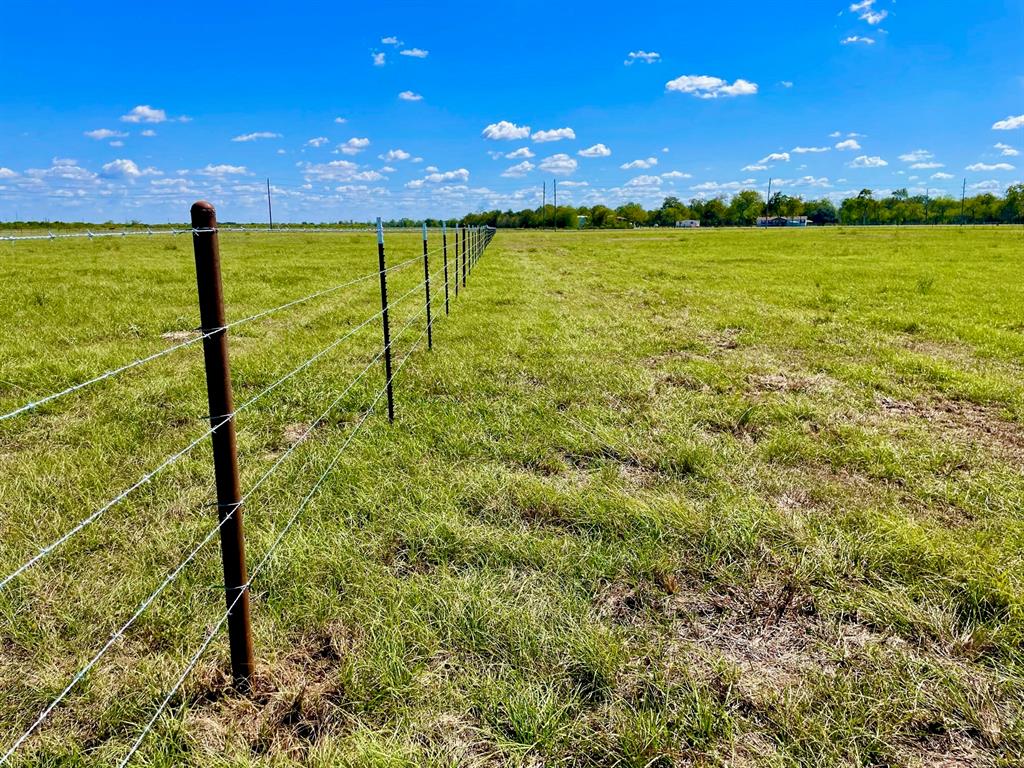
column 811, row 150
column 104, row 133
column 224, row 169
column 781, row 157
column 392, row 40
column 854, row 39
column 727, row 186
column 864, row 161
column 990, row 167
column 676, row 175
column 917, row 156
column 560, row 163
column 257, row 135
column 642, row 163
column 644, row 181
column 646, row 57
column 353, row 146
column 755, row 167
column 410, row 96
column 598, row 150
column 555, row 134
column 1010, row 123
column 519, row 170
column 460, row 174
column 521, row 152
column 707, row 87
column 394, row 154
column 148, row 133
column 379, row 58
column 416, row 53
column 7, row 173
column 927, row 166
column 504, row 130
column 847, row 144
column 319, row 141
column 1006, row 150
column 786, row 83
column 941, row 175
column 127, row 169
column 340, row 120
column 147, row 114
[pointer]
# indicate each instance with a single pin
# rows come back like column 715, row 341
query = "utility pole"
column 768, row 202
column 963, row 197
column 544, row 204
column 554, row 210
column 270, row 210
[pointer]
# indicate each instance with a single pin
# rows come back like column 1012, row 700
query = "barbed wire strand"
column 185, row 230
column 262, row 563
column 146, row 478
column 170, row 578
column 234, row 324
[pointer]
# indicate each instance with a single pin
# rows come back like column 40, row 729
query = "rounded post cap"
column 204, row 215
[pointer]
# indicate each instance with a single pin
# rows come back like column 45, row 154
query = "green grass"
column 655, row 498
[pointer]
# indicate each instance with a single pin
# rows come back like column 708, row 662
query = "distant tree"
column 632, row 213
column 744, row 209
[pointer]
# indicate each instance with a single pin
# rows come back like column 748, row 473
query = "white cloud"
column 148, row 133
column 676, row 175
column 989, row 185
column 555, row 134
column 319, row 141
column 575, row 184
column 835, row 134
column 917, row 156
column 786, row 83
column 127, row 169
column 864, row 161
column 147, row 114
column 521, row 152
column 394, row 154
column 873, row 17
column 927, row 166
column 754, row 168
column 7, row 173
column 642, row 163
column 224, row 170
column 519, row 170
column 1013, row 121
column 388, row 169
column 117, row 143
column 340, row 120
column 728, row 186
column 504, row 130
column 644, row 181
column 1006, row 150
column 410, row 96
column 416, row 53
column 460, row 174
column 353, row 146
column 431, row 169
column 853, row 39
column 804, row 181
column 707, row 87
column 598, row 150
column 391, row 41
column 811, row 150
column 379, row 58
column 560, row 163
column 257, row 135
column 942, row 175
column 782, row 157
column 647, row 57
column 367, row 176
column 104, row 133
column 850, row 144
column 990, row 167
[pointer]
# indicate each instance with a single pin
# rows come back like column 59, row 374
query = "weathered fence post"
column 465, row 237
column 444, row 250
column 384, row 314
column 426, row 282
column 456, row 261
column 225, row 450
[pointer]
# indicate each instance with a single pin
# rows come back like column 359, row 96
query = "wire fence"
column 468, row 246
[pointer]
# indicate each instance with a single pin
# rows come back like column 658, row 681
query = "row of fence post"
column 206, row 246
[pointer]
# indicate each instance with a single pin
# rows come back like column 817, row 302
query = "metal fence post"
column 225, row 450
column 384, row 314
column 444, row 250
column 456, row 261
column 465, row 236
column 426, row 282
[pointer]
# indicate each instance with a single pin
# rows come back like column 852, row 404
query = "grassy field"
column 655, row 498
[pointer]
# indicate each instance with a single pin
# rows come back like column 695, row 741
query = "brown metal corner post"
column 225, row 453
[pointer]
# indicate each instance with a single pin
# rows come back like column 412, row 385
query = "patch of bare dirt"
column 453, row 739
column 294, row 701
column 781, row 383
column 970, row 422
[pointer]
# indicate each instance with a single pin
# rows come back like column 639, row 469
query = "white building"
column 688, row 223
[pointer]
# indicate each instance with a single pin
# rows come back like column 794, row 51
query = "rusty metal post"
column 384, row 314
column 225, row 451
column 444, row 250
column 456, row 261
column 426, row 282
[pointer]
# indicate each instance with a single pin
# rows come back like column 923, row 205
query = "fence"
column 469, row 245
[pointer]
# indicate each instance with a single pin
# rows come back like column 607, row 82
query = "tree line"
column 745, row 207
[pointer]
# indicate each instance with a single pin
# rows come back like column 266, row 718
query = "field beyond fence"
column 653, row 498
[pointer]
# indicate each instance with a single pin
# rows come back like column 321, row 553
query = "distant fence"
column 468, row 246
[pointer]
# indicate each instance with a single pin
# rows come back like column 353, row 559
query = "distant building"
column 782, row 221
column 688, row 224
column 581, row 222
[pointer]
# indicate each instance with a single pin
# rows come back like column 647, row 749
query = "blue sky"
column 132, row 111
